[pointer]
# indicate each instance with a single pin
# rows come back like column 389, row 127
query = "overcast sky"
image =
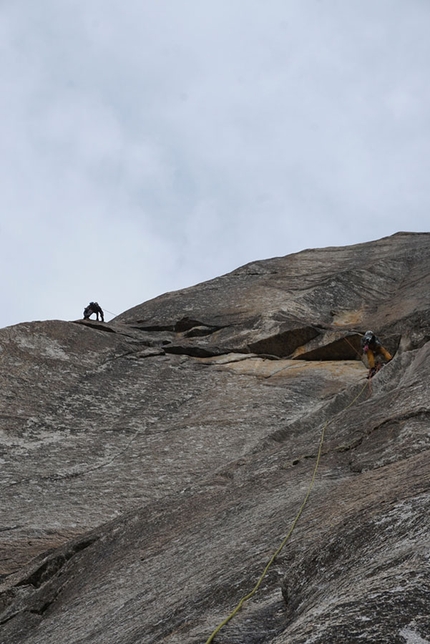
column 150, row 145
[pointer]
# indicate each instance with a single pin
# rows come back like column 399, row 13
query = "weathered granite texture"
column 151, row 466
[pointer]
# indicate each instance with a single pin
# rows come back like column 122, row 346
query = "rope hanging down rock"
column 291, row 530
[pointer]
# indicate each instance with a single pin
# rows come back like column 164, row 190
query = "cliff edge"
column 151, row 466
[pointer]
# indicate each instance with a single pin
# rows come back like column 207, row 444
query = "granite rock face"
column 151, row 466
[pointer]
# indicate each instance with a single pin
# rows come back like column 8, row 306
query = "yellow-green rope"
column 290, row 531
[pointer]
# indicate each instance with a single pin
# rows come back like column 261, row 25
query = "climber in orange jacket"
column 373, row 348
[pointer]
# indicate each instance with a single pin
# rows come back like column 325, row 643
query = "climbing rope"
column 110, row 313
column 291, row 530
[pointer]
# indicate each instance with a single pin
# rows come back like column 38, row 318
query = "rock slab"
column 151, row 466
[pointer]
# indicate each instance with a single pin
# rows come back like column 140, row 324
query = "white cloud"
column 149, row 146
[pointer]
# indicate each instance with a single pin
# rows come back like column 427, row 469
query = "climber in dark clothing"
column 93, row 307
column 373, row 348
